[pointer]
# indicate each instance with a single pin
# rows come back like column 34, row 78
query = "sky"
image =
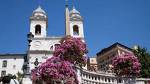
column 105, row 22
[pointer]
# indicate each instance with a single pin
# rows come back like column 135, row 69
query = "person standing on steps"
column 13, row 80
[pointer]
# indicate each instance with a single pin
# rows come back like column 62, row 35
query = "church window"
column 38, row 29
column 56, row 45
column 4, row 63
column 3, row 73
column 51, row 48
column 75, row 30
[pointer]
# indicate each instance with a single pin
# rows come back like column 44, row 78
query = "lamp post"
column 30, row 36
column 27, row 78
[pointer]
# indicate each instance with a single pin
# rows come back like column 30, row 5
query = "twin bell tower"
column 73, row 22
column 43, row 46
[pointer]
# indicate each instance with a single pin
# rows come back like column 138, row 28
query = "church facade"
column 41, row 46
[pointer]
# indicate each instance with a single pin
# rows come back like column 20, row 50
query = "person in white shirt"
column 13, row 80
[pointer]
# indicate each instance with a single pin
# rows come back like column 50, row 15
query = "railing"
column 88, row 77
column 143, row 81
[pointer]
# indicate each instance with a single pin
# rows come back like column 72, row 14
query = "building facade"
column 11, row 64
column 42, row 46
column 105, row 56
column 92, row 64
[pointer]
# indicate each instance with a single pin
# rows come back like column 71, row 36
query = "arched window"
column 3, row 73
column 37, row 29
column 56, row 45
column 75, row 30
column 4, row 63
column 51, row 48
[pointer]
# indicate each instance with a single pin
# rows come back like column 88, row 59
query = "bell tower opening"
column 38, row 30
column 38, row 23
column 76, row 24
column 75, row 30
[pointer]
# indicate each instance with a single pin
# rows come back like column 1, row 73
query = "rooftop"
column 112, row 46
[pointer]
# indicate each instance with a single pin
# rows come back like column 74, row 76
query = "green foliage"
column 19, row 76
column 144, row 58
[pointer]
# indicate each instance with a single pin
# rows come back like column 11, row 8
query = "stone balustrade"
column 143, row 81
column 89, row 77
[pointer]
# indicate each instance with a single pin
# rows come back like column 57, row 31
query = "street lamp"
column 26, row 68
column 30, row 36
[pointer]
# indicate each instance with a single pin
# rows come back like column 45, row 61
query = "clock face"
column 37, row 44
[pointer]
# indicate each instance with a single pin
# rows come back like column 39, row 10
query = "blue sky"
column 105, row 22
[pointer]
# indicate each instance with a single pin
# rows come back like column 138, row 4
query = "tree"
column 55, row 70
column 61, row 67
column 126, row 65
column 72, row 50
column 19, row 76
column 144, row 58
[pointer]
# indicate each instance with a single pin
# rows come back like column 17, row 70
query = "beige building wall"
column 92, row 64
column 104, row 58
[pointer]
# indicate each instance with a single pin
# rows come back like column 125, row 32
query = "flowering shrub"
column 60, row 67
column 34, row 75
column 126, row 65
column 56, row 70
column 72, row 50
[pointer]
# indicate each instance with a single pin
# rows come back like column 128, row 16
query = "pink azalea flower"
column 126, row 65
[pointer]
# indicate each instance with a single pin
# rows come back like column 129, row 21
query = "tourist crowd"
column 8, row 80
